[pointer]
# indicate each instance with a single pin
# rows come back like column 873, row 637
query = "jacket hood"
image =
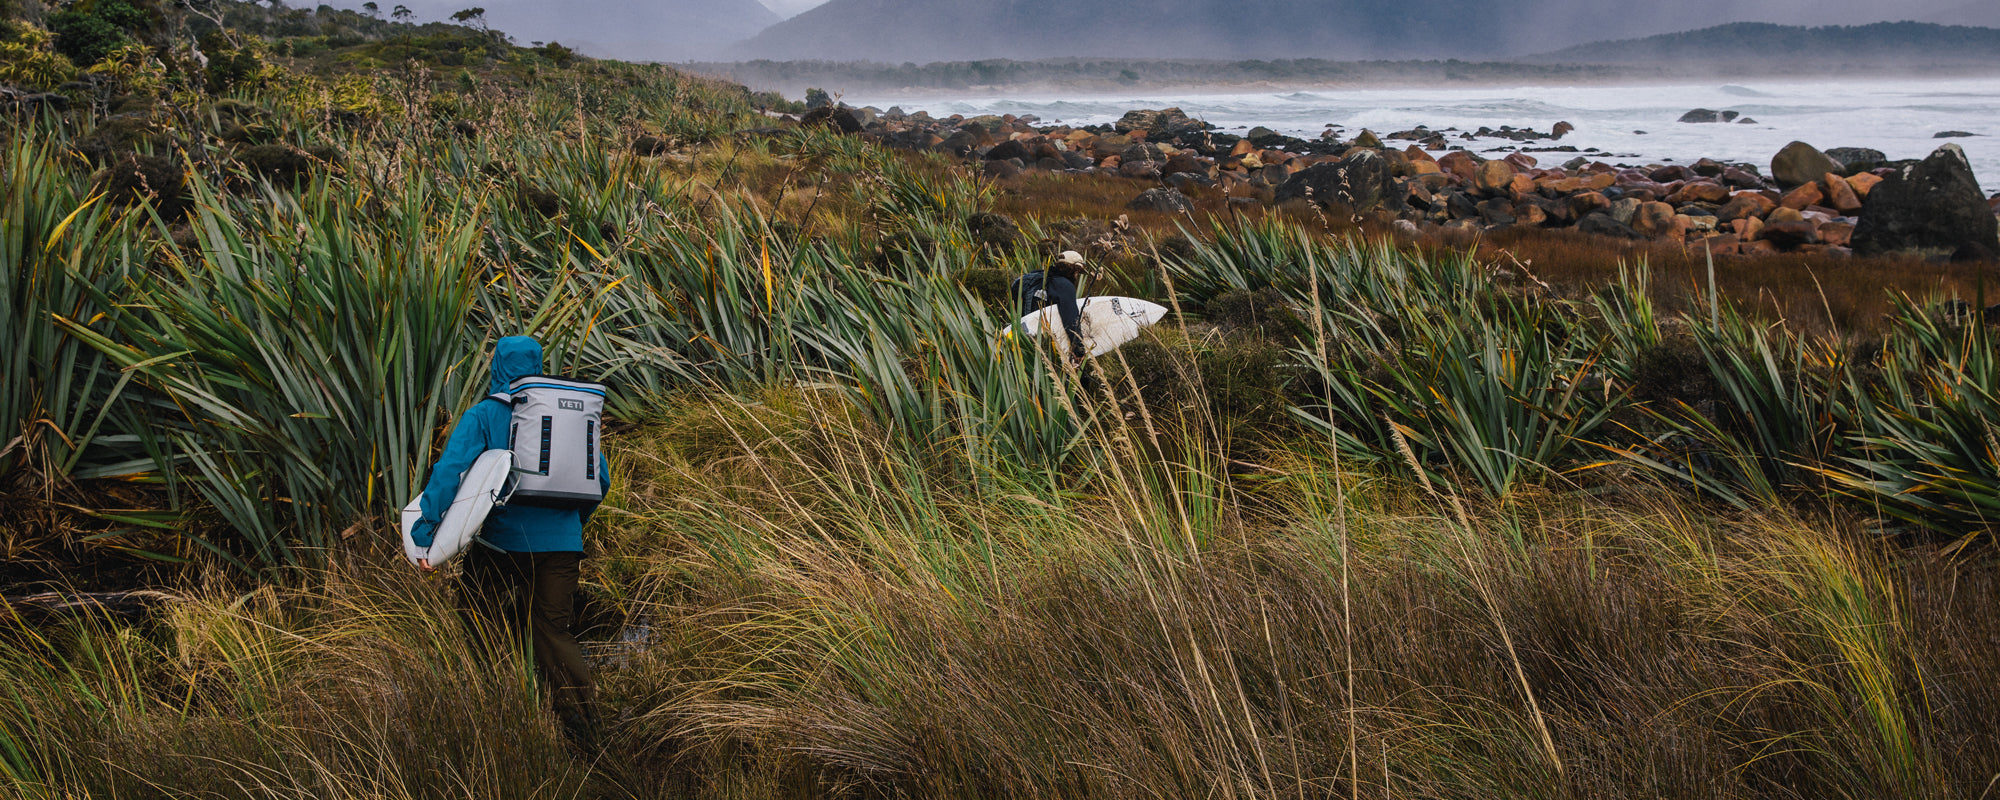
column 515, row 357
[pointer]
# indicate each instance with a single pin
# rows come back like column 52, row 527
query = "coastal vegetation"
column 1368, row 517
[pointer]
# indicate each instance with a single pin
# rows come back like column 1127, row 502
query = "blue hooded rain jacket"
column 518, row 529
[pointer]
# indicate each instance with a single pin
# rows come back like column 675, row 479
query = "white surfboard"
column 1107, row 321
column 479, row 490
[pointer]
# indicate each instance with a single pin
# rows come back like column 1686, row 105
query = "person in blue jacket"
column 525, row 575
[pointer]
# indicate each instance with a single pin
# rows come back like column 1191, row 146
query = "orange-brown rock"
column 1863, row 183
column 1529, row 214
column 1417, row 154
column 1807, row 194
column 1242, row 148
column 1420, row 195
column 1522, row 185
column 1722, row 244
column 1699, row 192
column 1748, row 228
column 1109, row 145
column 1784, row 214
column 1759, row 248
column 1745, row 204
column 1425, row 167
column 1600, row 181
column 1654, row 219
column 1521, row 161
column 1184, row 162
column 1582, row 203
column 1555, row 186
column 1110, row 162
column 1840, row 195
column 1494, row 177
column 1836, row 234
column 1461, row 164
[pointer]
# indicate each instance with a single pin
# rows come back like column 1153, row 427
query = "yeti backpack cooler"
column 554, row 439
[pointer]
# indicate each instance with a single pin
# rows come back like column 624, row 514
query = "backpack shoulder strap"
column 502, row 398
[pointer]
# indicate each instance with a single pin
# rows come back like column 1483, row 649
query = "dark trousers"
column 534, row 593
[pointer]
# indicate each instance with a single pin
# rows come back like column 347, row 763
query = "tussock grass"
column 367, row 686
column 1144, row 635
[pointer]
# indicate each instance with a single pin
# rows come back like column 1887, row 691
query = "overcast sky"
column 786, row 8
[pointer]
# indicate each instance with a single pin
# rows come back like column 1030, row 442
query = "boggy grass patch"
column 1131, row 633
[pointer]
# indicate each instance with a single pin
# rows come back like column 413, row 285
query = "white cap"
column 1070, row 257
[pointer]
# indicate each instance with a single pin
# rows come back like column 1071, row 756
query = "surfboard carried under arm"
column 1107, row 322
column 481, row 488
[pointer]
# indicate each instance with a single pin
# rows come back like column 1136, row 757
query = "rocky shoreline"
column 1837, row 202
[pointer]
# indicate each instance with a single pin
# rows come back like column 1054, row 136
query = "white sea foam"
column 1897, row 117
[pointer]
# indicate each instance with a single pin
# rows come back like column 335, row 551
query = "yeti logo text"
column 572, row 405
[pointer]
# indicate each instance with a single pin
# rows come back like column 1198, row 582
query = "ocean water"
column 1628, row 124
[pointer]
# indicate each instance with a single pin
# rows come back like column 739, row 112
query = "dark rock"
column 1002, row 169
column 1933, row 207
column 828, row 116
column 1601, row 224
column 1709, row 168
column 1561, row 129
column 997, row 231
column 1746, row 121
column 1161, row 125
column 1361, row 181
column 651, row 146
column 1791, row 235
column 1670, row 173
column 1952, row 135
column 1012, row 148
column 1460, row 206
column 1856, row 159
column 1163, row 200
column 1741, row 178
column 1497, row 211
column 960, row 143
column 1800, row 163
column 1702, row 115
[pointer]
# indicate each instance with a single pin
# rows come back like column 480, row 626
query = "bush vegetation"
column 1364, row 518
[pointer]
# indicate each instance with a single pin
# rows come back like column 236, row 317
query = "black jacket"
column 1039, row 289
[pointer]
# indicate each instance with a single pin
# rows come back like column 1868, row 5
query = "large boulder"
column 1856, row 158
column 1494, row 177
column 830, row 117
column 1163, row 200
column 1012, row 148
column 1933, row 207
column 1800, row 163
column 1361, row 181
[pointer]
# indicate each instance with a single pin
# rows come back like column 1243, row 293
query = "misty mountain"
column 1759, row 41
column 959, row 30
column 640, row 30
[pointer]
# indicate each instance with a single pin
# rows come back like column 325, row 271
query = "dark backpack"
column 1032, row 291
